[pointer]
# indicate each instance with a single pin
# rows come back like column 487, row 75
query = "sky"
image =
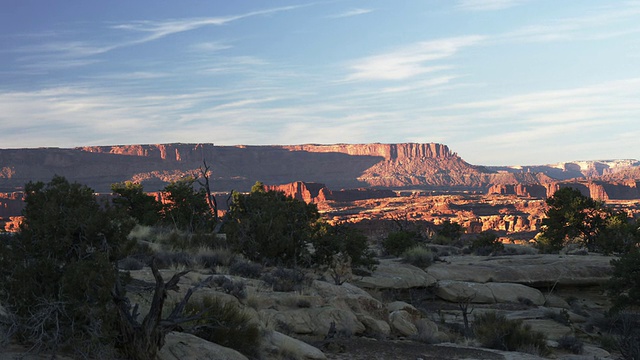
column 501, row 82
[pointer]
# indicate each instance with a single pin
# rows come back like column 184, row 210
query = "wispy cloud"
column 351, row 12
column 60, row 54
column 411, row 60
column 487, row 5
column 594, row 26
column 159, row 29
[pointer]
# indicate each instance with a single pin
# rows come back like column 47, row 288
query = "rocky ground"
column 401, row 311
column 404, row 312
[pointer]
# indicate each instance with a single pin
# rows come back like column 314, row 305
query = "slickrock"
column 183, row 346
column 531, row 270
column 392, row 274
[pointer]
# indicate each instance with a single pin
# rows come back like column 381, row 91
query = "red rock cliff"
column 387, row 151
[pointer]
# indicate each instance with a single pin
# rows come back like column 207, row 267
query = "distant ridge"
column 338, row 166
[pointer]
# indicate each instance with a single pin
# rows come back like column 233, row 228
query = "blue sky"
column 501, row 82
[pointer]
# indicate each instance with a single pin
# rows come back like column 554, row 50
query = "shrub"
column 418, row 256
column 209, row 259
column 57, row 274
column 286, row 280
column 486, row 243
column 561, row 317
column 166, row 260
column 246, row 269
column 624, row 286
column 571, row 344
column 497, row 332
column 130, row 263
column 231, row 287
column 225, row 324
column 270, row 227
column 400, row 241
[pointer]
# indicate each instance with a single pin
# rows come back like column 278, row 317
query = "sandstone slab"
column 392, row 274
column 183, row 346
column 291, row 348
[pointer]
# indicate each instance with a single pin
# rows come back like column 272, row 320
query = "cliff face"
column 403, row 151
column 319, row 193
column 340, row 166
column 239, row 167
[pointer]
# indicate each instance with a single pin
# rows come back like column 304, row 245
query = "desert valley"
column 444, row 297
column 348, row 182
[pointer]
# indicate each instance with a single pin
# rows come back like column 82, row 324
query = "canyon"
column 349, row 182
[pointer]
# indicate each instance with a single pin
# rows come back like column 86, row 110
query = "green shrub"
column 130, row 263
column 418, row 256
column 497, row 332
column 225, row 324
column 269, row 227
column 561, row 317
column 231, row 287
column 166, row 260
column 624, row 286
column 209, row 259
column 57, row 274
column 400, row 241
column 246, row 269
column 286, row 280
column 486, row 243
column 571, row 343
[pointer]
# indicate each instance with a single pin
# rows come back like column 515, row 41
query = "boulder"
column 456, row 291
column 374, row 327
column 392, row 274
column 401, row 322
column 183, row 346
column 427, row 329
column 513, row 293
column 290, row 348
column 401, row 305
column 313, row 321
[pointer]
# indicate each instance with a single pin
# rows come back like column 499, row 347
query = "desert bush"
column 211, row 258
column 486, row 243
column 225, row 324
column 449, row 233
column 166, row 260
column 57, row 274
column 622, row 333
column 230, row 286
column 400, row 241
column 130, row 263
column 246, row 269
column 286, row 280
column 333, row 246
column 270, row 227
column 187, row 208
column 497, row 332
column 624, row 286
column 418, row 256
column 561, row 317
column 571, row 343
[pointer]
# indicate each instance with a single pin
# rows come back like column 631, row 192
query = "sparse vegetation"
column 286, row 280
column 486, row 243
column 224, row 324
column 571, row 344
column 400, row 241
column 497, row 332
column 419, row 256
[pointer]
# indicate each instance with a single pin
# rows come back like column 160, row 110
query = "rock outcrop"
column 316, row 193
